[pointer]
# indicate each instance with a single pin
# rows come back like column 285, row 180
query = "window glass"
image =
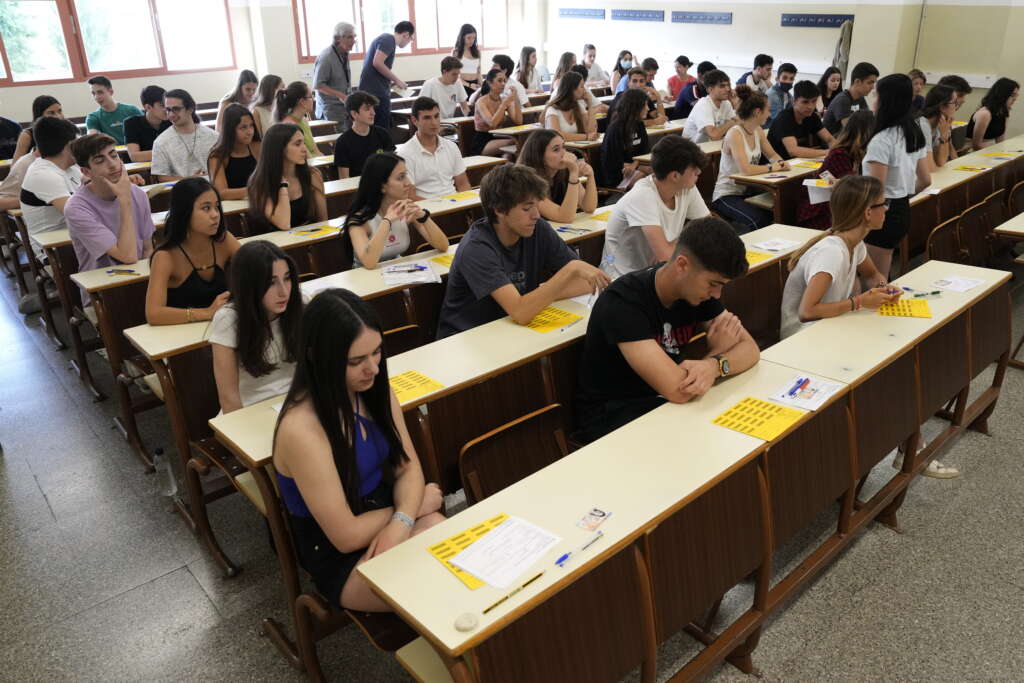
column 34, row 40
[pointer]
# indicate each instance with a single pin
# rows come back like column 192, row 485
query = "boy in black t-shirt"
column 797, row 131
column 633, row 353
column 363, row 139
column 140, row 132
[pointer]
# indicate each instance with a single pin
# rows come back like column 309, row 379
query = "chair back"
column 975, row 234
column 1016, row 199
column 943, row 242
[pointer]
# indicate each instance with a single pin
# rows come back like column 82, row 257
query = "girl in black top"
column 233, row 158
column 284, row 191
column 187, row 280
column 988, row 125
column 625, row 138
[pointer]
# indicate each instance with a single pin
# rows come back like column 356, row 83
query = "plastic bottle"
column 166, row 484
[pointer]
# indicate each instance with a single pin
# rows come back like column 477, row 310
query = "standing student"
column 760, row 77
column 566, row 62
column 233, row 159
column 898, row 156
column 681, row 78
column 691, row 94
column 742, row 149
column 263, row 105
column 284, row 191
column 829, row 85
column 382, row 212
column 293, row 105
column 779, row 97
column 43, row 105
column 797, row 131
column 51, row 179
column 526, row 70
column 623, row 63
column 564, row 113
column 494, row 110
column 713, row 115
column 187, row 272
column 625, row 138
column 634, row 352
column 467, row 51
column 596, row 76
column 822, row 280
column 939, row 110
column 363, row 139
column 182, row 150
column 918, row 78
column 108, row 217
column 109, row 117
column 655, row 115
column 571, row 183
column 377, row 77
column 499, row 267
column 345, row 464
column 434, row 164
column 862, row 82
column 244, row 94
column 332, row 76
column 647, row 221
column 843, row 159
column 988, row 124
column 447, row 89
column 140, row 132
column 255, row 336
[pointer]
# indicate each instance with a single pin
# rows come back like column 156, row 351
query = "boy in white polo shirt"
column 434, row 164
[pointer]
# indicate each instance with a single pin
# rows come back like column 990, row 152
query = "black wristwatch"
column 723, row 365
column 425, row 217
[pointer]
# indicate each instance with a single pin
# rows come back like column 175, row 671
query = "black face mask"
column 785, row 87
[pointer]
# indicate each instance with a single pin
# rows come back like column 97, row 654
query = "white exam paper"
column 398, row 275
column 776, row 245
column 955, row 283
column 504, row 553
column 811, row 397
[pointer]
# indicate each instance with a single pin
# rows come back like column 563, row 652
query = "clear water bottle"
column 166, row 484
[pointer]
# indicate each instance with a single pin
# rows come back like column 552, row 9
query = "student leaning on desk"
column 633, row 355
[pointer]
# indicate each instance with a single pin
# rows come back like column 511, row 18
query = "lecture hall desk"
column 1013, row 229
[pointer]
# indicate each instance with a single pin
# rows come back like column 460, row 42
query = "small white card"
column 955, row 283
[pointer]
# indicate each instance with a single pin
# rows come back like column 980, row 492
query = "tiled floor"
column 99, row 580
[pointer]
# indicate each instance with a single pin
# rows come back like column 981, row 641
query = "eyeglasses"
column 307, row 97
column 174, row 110
column 886, row 204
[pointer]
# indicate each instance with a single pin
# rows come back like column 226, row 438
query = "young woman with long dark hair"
column 467, row 51
column 284, row 191
column 494, row 111
column 545, row 152
column 244, row 94
column 526, row 70
column 565, row 115
column 346, row 468
column 829, row 85
column 988, row 124
column 263, row 106
column 939, row 110
column 44, row 105
column 842, row 160
column 233, row 159
column 293, row 105
column 625, row 138
column 623, row 63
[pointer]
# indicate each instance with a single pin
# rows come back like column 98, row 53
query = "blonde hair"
column 852, row 195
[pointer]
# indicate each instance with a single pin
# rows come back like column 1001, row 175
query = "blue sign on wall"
column 702, row 17
column 579, row 13
column 638, row 15
column 815, row 20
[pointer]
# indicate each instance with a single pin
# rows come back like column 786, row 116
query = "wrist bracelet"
column 188, row 315
column 574, row 182
column 403, row 518
column 853, row 305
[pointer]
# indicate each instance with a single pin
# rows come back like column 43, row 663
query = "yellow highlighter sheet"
column 906, row 308
column 551, row 319
column 411, row 384
column 444, row 551
column 758, row 418
column 754, row 257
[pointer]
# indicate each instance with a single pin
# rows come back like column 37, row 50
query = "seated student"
column 633, row 353
column 568, row 192
column 363, row 139
column 447, row 89
column 263, row 106
column 596, row 76
column 140, row 132
column 565, row 115
column 10, row 187
column 939, row 110
column 988, row 124
column 501, row 261
column 655, row 115
column 244, row 94
column 760, row 77
column 255, row 336
column 108, row 217
column 691, row 94
column 10, row 132
column 435, row 165
column 647, row 221
column 44, row 105
column 829, row 85
column 187, row 271
column 566, row 62
column 51, row 179
column 345, row 464
column 183, row 150
column 918, row 78
column 822, row 280
column 681, row 78
column 382, row 212
column 526, row 71
column 293, row 105
column 284, row 191
column 623, row 64
column 650, row 69
column 862, row 82
column 960, row 85
column 234, row 157
column 625, row 138
column 779, row 97
column 742, row 149
column 110, row 116
column 842, row 160
column 504, row 64
column 494, row 110
column 797, row 131
column 713, row 115
column 589, row 102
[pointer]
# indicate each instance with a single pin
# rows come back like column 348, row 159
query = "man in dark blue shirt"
column 377, row 77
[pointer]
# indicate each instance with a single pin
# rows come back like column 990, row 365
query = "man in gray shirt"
column 332, row 77
column 377, row 76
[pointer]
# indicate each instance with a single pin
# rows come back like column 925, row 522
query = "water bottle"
column 166, row 484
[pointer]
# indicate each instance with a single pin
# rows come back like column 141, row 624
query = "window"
column 39, row 41
column 380, row 16
column 315, row 21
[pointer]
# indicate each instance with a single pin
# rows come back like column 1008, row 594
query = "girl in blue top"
column 346, row 467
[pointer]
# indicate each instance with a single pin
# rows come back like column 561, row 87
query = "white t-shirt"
column 46, row 181
column 183, row 155
column 889, row 147
column 563, row 122
column 447, row 97
column 433, row 174
column 224, row 331
column 625, row 246
column 596, row 73
column 11, row 185
column 830, row 255
column 705, row 114
column 397, row 242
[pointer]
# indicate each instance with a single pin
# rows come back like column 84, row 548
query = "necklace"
column 195, row 141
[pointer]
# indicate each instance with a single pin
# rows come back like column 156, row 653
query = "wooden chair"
column 1015, row 199
column 18, row 265
column 995, row 208
column 944, row 243
column 42, row 281
column 511, row 452
column 452, row 239
column 976, row 234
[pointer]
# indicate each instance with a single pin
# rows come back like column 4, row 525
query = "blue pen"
column 907, row 289
column 598, row 535
column 796, row 387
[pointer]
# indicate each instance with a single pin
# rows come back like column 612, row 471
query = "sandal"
column 940, row 471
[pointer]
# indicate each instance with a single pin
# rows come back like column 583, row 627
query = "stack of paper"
column 807, row 393
column 408, row 273
column 955, row 283
column 502, row 555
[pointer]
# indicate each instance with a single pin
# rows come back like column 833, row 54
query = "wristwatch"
column 424, row 217
column 723, row 365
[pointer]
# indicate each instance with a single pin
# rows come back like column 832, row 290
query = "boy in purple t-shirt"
column 108, row 218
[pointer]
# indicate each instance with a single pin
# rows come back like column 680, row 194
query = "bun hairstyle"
column 750, row 101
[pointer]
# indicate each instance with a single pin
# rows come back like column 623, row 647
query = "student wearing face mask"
column 779, row 96
column 622, row 66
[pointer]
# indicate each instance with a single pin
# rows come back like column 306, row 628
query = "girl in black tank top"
column 233, row 159
column 997, row 102
column 284, row 191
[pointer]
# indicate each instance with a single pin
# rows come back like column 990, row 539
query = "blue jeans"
column 745, row 217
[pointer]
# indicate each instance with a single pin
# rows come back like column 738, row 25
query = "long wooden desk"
column 785, row 186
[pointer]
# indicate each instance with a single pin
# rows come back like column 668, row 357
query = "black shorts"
column 897, row 222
